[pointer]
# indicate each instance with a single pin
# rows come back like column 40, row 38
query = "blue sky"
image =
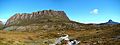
column 84, row 11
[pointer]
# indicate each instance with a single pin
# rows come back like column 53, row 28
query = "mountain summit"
column 112, row 22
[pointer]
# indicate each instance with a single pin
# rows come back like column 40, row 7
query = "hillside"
column 106, row 35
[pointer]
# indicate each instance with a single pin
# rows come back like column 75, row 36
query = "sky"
column 83, row 11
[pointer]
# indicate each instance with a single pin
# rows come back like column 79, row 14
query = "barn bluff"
column 41, row 20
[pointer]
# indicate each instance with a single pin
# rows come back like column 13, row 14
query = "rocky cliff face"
column 37, row 17
column 41, row 20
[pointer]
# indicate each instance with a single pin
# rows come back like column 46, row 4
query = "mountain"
column 40, row 20
column 37, row 17
column 110, row 22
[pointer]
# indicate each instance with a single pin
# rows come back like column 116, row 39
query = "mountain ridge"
column 44, row 15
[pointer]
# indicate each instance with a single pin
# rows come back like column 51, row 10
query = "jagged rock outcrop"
column 41, row 20
column 37, row 17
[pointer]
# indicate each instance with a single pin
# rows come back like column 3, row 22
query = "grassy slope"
column 93, row 37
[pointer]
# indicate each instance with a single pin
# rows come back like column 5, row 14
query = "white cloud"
column 3, row 20
column 94, row 12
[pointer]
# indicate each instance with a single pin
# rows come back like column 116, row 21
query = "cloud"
column 94, row 12
column 3, row 20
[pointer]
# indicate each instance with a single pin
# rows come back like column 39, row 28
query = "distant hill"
column 110, row 22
